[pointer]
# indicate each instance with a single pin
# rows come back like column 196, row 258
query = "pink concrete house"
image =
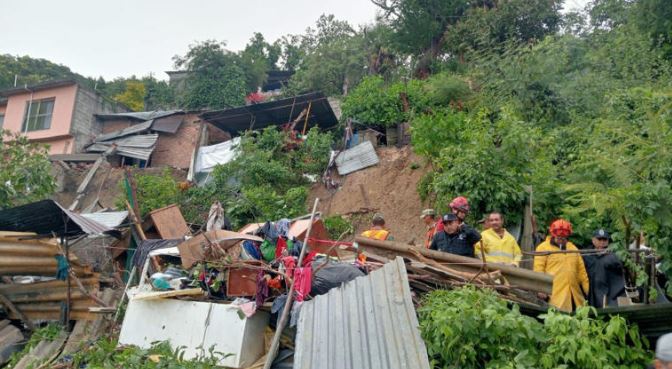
column 57, row 113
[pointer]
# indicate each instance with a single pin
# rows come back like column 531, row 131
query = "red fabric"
column 254, row 98
column 303, row 279
column 290, row 263
column 308, row 258
column 280, row 246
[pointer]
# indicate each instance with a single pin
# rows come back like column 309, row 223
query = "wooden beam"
column 89, row 176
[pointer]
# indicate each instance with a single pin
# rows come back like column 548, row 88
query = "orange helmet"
column 460, row 203
column 561, row 228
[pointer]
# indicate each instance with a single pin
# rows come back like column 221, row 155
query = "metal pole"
column 290, row 297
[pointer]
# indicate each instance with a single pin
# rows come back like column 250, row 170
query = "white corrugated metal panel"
column 356, row 158
column 138, row 146
column 136, row 128
column 196, row 326
column 110, row 219
column 367, row 323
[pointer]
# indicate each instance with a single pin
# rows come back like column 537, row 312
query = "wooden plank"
column 168, row 294
column 169, row 222
column 89, row 176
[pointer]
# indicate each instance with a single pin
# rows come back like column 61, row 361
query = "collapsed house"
column 154, row 139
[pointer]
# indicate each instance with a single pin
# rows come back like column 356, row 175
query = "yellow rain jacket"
column 503, row 250
column 570, row 280
column 376, row 234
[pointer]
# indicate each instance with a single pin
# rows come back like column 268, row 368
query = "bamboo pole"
column 518, row 277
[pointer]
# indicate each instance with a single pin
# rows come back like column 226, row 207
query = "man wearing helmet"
column 570, row 280
column 460, row 207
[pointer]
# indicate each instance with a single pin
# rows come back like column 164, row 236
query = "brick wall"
column 176, row 150
column 84, row 125
column 216, row 135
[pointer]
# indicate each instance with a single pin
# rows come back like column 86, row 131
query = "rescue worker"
column 570, row 280
column 460, row 207
column 429, row 217
column 605, row 273
column 664, row 352
column 456, row 238
column 498, row 245
column 377, row 230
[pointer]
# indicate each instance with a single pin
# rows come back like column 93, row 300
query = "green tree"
column 24, row 175
column 334, row 59
column 492, row 28
column 257, row 59
column 420, row 26
column 215, row 80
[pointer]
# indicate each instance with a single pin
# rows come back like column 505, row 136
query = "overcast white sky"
column 120, row 38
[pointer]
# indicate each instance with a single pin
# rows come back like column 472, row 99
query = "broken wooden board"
column 43, row 353
column 11, row 340
column 169, row 223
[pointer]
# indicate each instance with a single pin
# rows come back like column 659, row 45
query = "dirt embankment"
column 389, row 188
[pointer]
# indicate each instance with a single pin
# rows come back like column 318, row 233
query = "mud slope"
column 389, row 187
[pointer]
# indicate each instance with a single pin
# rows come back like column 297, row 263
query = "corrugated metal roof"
column 356, row 158
column 262, row 115
column 139, row 115
column 367, row 323
column 168, row 124
column 136, row 128
column 110, row 219
column 45, row 217
column 74, row 157
column 138, row 146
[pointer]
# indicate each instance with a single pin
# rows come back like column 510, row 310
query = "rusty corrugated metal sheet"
column 367, row 323
column 47, row 216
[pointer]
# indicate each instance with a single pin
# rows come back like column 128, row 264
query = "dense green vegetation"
column 473, row 328
column 24, row 174
column 265, row 182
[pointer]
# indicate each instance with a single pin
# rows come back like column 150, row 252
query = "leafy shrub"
column 104, row 354
column 265, row 182
column 490, row 160
column 338, row 226
column 373, row 102
column 473, row 328
column 24, row 173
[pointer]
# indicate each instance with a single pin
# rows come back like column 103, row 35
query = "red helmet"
column 460, row 203
column 561, row 228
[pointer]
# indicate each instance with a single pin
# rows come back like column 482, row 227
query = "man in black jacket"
column 456, row 238
column 605, row 273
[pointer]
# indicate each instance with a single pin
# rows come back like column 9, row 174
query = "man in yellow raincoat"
column 377, row 230
column 498, row 245
column 570, row 280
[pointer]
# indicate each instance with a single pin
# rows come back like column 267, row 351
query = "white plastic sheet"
column 210, row 156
